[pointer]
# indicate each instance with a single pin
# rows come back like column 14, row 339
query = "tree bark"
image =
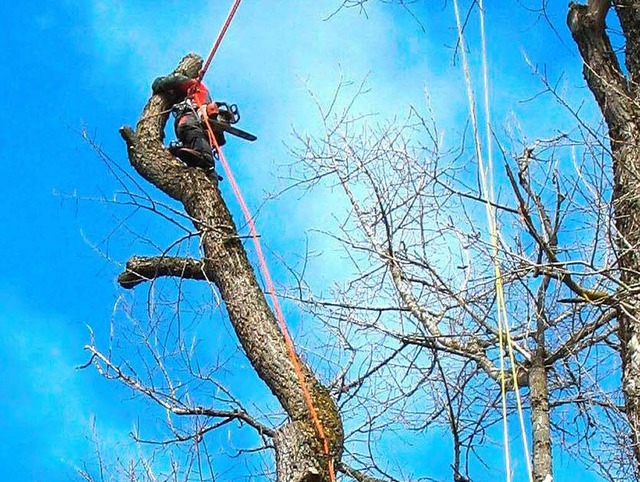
column 619, row 100
column 540, row 423
column 140, row 269
column 299, row 452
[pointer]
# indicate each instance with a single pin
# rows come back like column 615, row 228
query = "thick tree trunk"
column 299, row 452
column 626, row 205
column 619, row 101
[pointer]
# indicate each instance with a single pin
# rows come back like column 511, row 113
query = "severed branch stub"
column 300, row 456
column 140, row 269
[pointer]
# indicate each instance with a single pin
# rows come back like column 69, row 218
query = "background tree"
column 426, row 251
column 617, row 94
column 423, row 285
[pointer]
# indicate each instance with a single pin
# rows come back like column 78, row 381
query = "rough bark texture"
column 295, row 459
column 542, row 463
column 299, row 452
column 540, row 423
column 139, row 269
column 619, row 100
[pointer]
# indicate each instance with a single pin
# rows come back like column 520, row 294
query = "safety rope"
column 504, row 335
column 297, row 366
column 274, row 299
column 219, row 38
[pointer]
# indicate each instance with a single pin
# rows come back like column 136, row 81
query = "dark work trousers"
column 193, row 135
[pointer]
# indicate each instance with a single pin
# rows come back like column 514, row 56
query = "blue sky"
column 69, row 65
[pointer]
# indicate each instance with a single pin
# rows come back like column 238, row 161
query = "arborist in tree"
column 193, row 109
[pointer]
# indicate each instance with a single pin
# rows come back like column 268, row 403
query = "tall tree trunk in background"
column 540, row 423
column 299, row 453
column 542, row 460
column 619, row 100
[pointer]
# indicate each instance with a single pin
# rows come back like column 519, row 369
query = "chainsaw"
column 227, row 115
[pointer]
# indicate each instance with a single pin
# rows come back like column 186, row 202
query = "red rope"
column 274, row 299
column 263, row 263
column 218, row 41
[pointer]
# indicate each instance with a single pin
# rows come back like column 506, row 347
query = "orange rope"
column 274, row 299
column 218, row 41
column 263, row 263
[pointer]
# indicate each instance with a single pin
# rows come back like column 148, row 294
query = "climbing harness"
column 263, row 263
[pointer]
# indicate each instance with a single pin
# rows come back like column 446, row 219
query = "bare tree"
column 300, row 455
column 421, row 249
column 424, row 278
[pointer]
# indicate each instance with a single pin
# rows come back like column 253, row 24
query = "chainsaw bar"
column 224, row 126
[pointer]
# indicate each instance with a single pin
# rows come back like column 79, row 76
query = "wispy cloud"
column 50, row 402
